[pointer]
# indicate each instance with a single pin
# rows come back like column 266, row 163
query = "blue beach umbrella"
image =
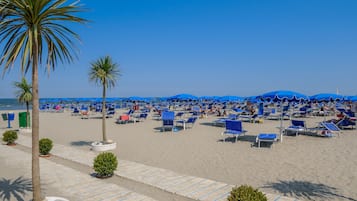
column 326, row 97
column 183, row 97
column 283, row 95
column 81, row 100
column 208, row 98
column 230, row 99
column 351, row 98
column 134, row 98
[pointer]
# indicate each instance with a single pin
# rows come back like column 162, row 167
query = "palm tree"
column 105, row 73
column 24, row 95
column 34, row 31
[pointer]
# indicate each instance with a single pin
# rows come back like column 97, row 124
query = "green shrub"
column 45, row 146
column 105, row 164
column 246, row 193
column 9, row 137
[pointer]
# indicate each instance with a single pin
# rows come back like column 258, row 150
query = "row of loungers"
column 233, row 128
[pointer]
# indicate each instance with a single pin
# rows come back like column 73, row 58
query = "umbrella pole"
column 281, row 124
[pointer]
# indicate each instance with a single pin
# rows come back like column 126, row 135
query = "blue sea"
column 11, row 104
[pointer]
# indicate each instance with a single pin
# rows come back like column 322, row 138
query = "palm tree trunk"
column 27, row 115
column 104, row 114
column 35, row 127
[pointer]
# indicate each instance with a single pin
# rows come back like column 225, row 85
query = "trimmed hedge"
column 246, row 193
column 105, row 164
column 45, row 146
column 9, row 137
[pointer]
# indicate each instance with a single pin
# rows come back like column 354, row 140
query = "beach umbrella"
column 134, row 98
column 208, row 98
column 83, row 100
column 351, row 98
column 230, row 99
column 283, row 95
column 183, row 97
column 326, row 97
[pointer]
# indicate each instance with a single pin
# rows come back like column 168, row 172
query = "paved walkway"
column 184, row 185
column 68, row 182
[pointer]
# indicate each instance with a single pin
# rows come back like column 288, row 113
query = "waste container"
column 11, row 116
column 4, row 116
column 23, row 120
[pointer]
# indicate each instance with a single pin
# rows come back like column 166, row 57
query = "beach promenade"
column 78, row 186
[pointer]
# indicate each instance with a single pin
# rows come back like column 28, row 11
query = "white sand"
column 305, row 166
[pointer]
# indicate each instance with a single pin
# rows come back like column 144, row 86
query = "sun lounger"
column 222, row 121
column 329, row 128
column 297, row 126
column 186, row 123
column 263, row 137
column 233, row 128
column 123, row 119
column 168, row 118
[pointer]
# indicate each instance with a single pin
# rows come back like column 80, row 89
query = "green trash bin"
column 23, row 120
column 4, row 116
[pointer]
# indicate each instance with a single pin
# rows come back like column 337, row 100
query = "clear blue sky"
column 211, row 47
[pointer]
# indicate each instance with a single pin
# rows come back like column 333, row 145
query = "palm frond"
column 24, row 22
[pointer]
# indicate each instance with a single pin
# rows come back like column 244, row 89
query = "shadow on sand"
column 81, row 143
column 14, row 189
column 307, row 190
column 243, row 138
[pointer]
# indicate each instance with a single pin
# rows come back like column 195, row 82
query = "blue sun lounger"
column 330, row 128
column 168, row 118
column 234, row 128
column 263, row 137
column 297, row 126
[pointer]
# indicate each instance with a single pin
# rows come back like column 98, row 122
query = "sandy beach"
column 306, row 167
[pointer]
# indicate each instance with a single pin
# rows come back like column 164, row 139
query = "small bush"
column 105, row 164
column 9, row 137
column 45, row 146
column 246, row 193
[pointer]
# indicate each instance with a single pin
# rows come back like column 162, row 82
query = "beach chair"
column 196, row 110
column 222, row 121
column 233, row 128
column 179, row 115
column 346, row 123
column 75, row 112
column 123, row 119
column 274, row 115
column 329, row 128
column 85, row 114
column 263, row 137
column 168, row 118
column 141, row 117
column 348, row 120
column 297, row 126
column 254, row 117
column 187, row 123
column 110, row 113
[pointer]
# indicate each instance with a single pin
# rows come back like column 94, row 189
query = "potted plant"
column 105, row 164
column 9, row 137
column 246, row 193
column 105, row 73
column 45, row 147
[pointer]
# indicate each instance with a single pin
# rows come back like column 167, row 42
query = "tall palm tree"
column 105, row 73
column 24, row 95
column 35, row 31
